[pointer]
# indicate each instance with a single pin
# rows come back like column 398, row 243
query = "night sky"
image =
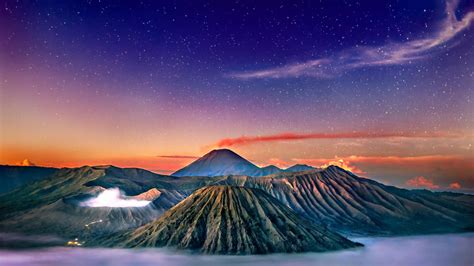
column 383, row 88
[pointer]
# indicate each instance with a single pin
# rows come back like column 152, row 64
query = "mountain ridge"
column 220, row 162
column 12, row 176
column 234, row 221
column 332, row 197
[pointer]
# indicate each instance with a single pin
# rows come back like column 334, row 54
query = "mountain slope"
column 269, row 170
column 299, row 168
column 226, row 162
column 331, row 196
column 68, row 220
column 219, row 162
column 232, row 220
column 52, row 206
column 12, row 177
column 355, row 205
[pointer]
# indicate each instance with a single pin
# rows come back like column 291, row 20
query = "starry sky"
column 382, row 88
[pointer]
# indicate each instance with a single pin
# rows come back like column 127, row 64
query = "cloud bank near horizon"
column 366, row 56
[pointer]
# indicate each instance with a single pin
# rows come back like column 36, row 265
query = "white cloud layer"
column 365, row 56
column 114, row 198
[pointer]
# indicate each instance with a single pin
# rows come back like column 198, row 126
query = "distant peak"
column 219, row 162
column 223, row 150
column 301, row 165
column 26, row 162
column 104, row 166
column 222, row 153
column 271, row 166
column 336, row 168
column 228, row 151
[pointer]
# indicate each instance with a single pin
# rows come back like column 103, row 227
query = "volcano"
column 220, row 162
column 226, row 162
column 232, row 220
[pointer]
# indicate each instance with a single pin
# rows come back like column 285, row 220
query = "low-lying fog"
column 432, row 250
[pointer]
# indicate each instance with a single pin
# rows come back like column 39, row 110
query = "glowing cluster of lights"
column 74, row 242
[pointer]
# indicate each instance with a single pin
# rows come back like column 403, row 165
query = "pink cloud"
column 291, row 136
column 455, row 185
column 421, row 181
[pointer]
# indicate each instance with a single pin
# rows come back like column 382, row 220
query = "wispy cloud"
column 245, row 140
column 365, row 56
column 399, row 161
column 177, row 156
